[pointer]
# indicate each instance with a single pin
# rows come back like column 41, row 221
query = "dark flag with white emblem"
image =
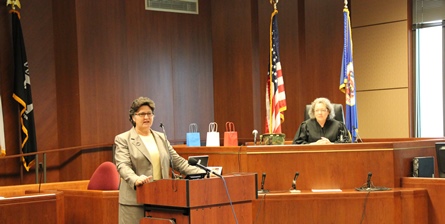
column 22, row 92
column 275, row 95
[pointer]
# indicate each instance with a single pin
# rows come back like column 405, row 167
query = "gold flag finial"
column 13, row 3
column 274, row 3
column 346, row 4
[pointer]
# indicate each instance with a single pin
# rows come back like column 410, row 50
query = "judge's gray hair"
column 324, row 101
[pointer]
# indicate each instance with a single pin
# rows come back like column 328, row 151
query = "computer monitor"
column 440, row 156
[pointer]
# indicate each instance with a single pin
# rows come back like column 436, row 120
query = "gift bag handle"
column 213, row 127
column 230, row 126
column 193, row 127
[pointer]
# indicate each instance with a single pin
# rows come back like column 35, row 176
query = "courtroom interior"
column 88, row 60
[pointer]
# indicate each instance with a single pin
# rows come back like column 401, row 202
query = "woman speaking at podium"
column 143, row 155
column 321, row 127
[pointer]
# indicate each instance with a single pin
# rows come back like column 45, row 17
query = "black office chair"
column 338, row 110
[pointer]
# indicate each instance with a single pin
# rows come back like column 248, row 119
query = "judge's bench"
column 329, row 176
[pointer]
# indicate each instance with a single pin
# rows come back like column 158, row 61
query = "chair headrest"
column 105, row 177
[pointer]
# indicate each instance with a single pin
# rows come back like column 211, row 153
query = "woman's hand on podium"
column 143, row 180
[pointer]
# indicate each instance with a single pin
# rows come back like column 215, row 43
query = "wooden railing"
column 40, row 161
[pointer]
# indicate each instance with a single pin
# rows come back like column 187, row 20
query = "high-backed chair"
column 105, row 177
column 338, row 110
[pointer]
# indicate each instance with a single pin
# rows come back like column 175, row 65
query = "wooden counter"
column 344, row 166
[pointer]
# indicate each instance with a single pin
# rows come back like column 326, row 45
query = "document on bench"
column 326, row 190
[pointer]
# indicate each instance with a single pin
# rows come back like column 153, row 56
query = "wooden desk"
column 33, row 208
column 18, row 190
column 436, row 196
column 91, row 206
column 80, row 205
column 350, row 206
column 344, row 166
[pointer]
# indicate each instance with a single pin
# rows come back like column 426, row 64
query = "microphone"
column 168, row 150
column 263, row 179
column 294, row 184
column 194, row 162
column 368, row 181
column 255, row 133
column 342, row 132
column 369, row 186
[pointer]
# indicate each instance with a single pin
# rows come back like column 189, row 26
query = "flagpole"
column 271, row 90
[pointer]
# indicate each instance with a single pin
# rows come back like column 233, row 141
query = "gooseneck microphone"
column 194, row 162
column 368, row 181
column 294, row 184
column 342, row 133
column 263, row 179
column 369, row 186
column 255, row 133
column 168, row 150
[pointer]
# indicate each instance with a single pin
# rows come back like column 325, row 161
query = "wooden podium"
column 184, row 201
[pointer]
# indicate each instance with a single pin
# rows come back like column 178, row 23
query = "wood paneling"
column 381, row 56
column 384, row 115
column 91, row 206
column 349, row 206
column 436, row 197
column 379, row 11
column 90, row 59
column 35, row 208
column 233, row 49
column 343, row 166
column 382, row 68
column 67, row 70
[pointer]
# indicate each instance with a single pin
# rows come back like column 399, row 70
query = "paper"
column 326, row 190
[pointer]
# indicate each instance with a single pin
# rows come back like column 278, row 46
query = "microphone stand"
column 294, row 184
column 168, row 150
column 262, row 191
column 255, row 133
column 358, row 136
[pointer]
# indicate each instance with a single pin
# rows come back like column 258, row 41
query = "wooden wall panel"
column 381, row 56
column 102, row 64
column 311, row 40
column 383, row 115
column 382, row 60
column 192, row 69
column 90, row 59
column 67, row 82
column 378, row 11
column 232, row 31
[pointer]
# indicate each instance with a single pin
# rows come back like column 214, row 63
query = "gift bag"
column 193, row 137
column 230, row 135
column 213, row 135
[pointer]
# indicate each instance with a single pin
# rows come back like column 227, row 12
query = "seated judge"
column 142, row 157
column 321, row 127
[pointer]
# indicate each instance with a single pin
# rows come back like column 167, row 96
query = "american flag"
column 275, row 96
column 347, row 78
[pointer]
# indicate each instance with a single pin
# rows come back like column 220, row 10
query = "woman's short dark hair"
column 139, row 102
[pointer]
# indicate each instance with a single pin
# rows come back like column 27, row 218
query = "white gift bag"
column 213, row 135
